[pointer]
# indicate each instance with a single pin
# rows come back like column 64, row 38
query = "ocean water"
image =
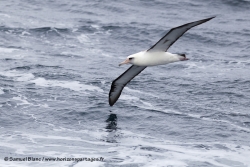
column 59, row 57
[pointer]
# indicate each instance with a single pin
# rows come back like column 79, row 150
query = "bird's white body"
column 145, row 58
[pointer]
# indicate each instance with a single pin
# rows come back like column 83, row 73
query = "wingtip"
column 207, row 19
column 211, row 17
column 111, row 103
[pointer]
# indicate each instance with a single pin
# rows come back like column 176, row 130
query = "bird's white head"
column 129, row 60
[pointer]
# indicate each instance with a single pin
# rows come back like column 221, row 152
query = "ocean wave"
column 17, row 75
column 73, row 85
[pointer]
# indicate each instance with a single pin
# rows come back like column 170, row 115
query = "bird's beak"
column 184, row 58
column 124, row 62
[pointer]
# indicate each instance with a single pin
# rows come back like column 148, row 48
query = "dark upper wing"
column 175, row 33
column 119, row 83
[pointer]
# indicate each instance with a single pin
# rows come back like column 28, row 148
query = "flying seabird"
column 156, row 55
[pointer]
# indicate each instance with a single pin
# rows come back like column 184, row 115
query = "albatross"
column 155, row 55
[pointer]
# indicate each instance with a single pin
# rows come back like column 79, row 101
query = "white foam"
column 95, row 26
column 130, row 149
column 25, row 77
column 150, row 106
column 128, row 97
column 1, row 91
column 224, row 121
column 83, row 38
column 25, row 33
column 73, row 85
column 22, row 99
column 146, row 103
column 74, row 29
column 137, row 91
column 106, row 55
column 5, row 15
column 7, row 50
column 52, row 137
column 70, row 53
column 177, row 154
column 18, row 76
column 194, row 65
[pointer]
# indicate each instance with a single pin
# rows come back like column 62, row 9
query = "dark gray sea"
column 59, row 57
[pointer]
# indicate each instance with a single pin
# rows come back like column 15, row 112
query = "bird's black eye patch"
column 130, row 58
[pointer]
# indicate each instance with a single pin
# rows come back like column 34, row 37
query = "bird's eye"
column 130, row 58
